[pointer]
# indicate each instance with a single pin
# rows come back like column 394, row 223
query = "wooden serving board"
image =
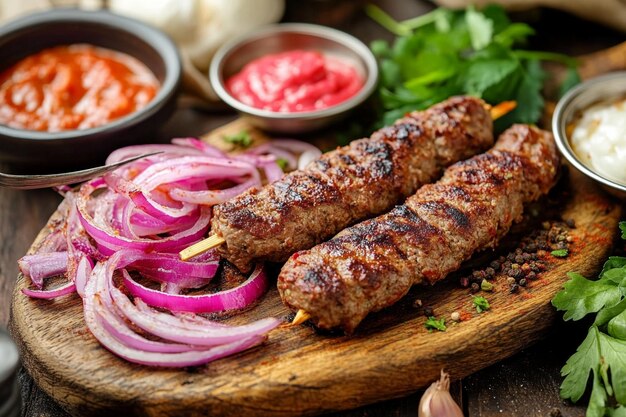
column 298, row 371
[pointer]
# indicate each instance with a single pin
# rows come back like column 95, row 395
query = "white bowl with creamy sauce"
column 589, row 125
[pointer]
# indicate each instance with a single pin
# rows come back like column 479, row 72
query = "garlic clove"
column 437, row 401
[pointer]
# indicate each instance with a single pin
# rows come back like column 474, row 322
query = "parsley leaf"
column 597, row 351
column 617, row 326
column 433, row 324
column 481, row 304
column 242, row 139
column 581, row 296
column 622, row 227
column 603, row 352
column 618, row 412
column 451, row 52
column 559, row 253
column 480, row 28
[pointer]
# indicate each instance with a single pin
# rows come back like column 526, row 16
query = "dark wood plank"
column 528, row 383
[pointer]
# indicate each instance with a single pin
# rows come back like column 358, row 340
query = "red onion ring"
column 233, row 299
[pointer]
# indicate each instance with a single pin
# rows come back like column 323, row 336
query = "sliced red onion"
column 307, row 157
column 213, row 197
column 64, row 289
column 43, row 265
column 109, row 241
column 169, row 262
column 95, row 322
column 200, row 145
column 167, row 151
column 233, row 299
column 272, row 171
column 84, row 268
column 207, row 336
column 139, row 217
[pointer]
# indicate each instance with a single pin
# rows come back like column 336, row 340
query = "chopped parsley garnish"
column 602, row 355
column 559, row 253
column 433, row 324
column 481, row 304
column 242, row 139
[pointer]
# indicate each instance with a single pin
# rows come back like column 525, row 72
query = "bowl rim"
column 559, row 127
column 340, row 37
column 162, row 44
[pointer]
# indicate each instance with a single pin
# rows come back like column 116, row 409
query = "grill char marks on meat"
column 371, row 265
column 350, row 184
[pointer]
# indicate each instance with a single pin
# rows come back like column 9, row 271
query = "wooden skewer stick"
column 213, row 241
column 501, row 109
column 301, row 317
column 201, row 247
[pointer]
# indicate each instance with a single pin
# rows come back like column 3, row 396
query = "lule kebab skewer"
column 394, row 162
column 373, row 264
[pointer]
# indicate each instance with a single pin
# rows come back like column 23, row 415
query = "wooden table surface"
column 523, row 385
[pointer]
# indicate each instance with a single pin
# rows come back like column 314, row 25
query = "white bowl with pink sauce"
column 335, row 46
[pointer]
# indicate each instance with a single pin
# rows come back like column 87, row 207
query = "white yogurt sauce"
column 599, row 139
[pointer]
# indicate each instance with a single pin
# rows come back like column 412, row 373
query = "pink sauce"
column 295, row 81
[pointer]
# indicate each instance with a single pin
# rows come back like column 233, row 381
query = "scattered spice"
column 465, row 315
column 433, row 324
column 455, row 316
column 481, row 304
column 523, row 265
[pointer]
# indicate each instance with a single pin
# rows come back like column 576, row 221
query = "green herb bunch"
column 602, row 355
column 446, row 53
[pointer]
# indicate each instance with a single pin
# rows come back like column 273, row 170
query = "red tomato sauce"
column 295, row 81
column 73, row 87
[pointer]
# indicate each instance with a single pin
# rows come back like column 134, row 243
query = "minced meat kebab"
column 350, row 184
column 373, row 264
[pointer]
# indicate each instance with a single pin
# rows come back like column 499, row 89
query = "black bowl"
column 27, row 150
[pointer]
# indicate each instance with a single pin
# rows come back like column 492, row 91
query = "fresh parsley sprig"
column 243, row 139
column 445, row 53
column 602, row 355
column 432, row 323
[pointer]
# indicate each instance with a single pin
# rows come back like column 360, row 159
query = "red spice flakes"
column 465, row 315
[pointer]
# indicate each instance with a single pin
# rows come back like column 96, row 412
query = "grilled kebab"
column 351, row 183
column 373, row 264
